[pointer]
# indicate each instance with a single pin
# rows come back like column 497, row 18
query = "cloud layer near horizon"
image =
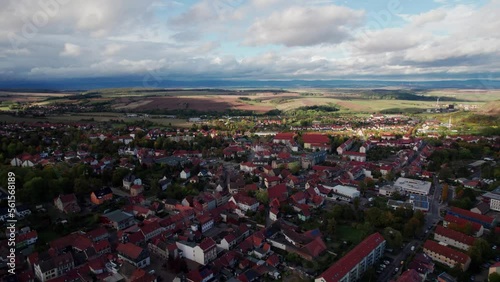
column 248, row 39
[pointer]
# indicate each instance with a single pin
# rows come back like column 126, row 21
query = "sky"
column 249, row 39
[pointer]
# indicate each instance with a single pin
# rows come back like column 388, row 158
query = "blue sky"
column 249, row 39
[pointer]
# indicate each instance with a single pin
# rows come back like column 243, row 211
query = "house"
column 284, row 137
column 355, row 156
column 228, row 242
column 352, row 266
column 316, row 142
column 274, row 214
column 446, row 255
column 270, row 181
column 453, row 238
column 205, row 223
column 481, row 208
column 26, row 239
column 493, row 198
column 423, row 264
column 495, row 268
column 118, row 219
column 164, row 183
column 463, row 225
column 53, row 267
column 130, row 180
column 67, row 203
column 98, row 234
column 485, row 221
column 200, row 275
column 135, row 255
column 345, row 146
column 185, row 174
column 410, row 275
column 445, row 277
column 201, row 253
column 163, row 249
column 136, row 190
column 102, row 195
column 244, row 203
column 151, row 230
column 279, row 192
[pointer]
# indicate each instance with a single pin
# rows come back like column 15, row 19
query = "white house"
column 202, row 253
column 185, row 174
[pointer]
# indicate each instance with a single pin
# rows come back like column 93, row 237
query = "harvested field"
column 213, row 103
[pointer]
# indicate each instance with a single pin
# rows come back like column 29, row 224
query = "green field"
column 96, row 117
column 348, row 233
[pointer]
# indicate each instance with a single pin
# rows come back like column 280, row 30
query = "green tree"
column 494, row 277
column 393, row 237
column 480, row 251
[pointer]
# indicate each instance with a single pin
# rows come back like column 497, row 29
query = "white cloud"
column 71, row 50
column 275, row 39
column 304, row 26
column 112, row 49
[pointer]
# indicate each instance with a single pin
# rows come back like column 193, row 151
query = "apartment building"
column 446, row 255
column 352, row 266
column 453, row 238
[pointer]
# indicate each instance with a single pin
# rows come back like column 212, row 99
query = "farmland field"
column 257, row 101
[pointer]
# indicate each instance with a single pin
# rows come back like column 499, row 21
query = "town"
column 380, row 197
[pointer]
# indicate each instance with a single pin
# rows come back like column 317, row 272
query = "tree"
column 444, row 193
column 355, row 202
column 331, row 226
column 480, row 251
column 494, row 277
column 393, row 237
column 262, row 197
column 411, row 227
column 82, row 186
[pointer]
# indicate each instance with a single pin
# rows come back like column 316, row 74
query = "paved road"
column 389, row 271
column 431, row 219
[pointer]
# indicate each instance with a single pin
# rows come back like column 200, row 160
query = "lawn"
column 348, row 233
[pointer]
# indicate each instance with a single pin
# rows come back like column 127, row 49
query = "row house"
column 485, row 221
column 453, row 238
column 53, row 267
column 457, row 223
column 446, row 255
column 346, row 146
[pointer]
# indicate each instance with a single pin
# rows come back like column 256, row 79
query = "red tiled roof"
column 130, row 250
column 241, row 198
column 446, row 251
column 27, row 236
column 411, row 275
column 339, row 269
column 454, row 235
column 316, row 247
column 101, row 245
column 315, row 138
column 67, row 198
column 273, row 260
column 96, row 233
column 467, row 213
column 462, row 222
column 284, row 136
column 278, row 191
column 207, row 244
column 150, row 227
